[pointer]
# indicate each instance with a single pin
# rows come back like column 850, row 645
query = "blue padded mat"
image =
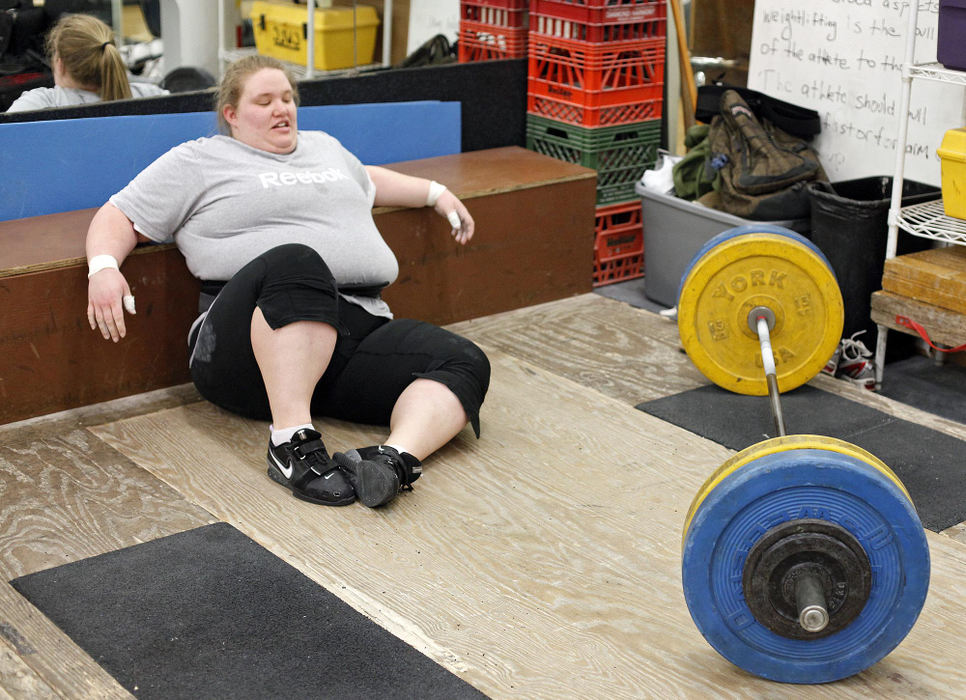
column 67, row 164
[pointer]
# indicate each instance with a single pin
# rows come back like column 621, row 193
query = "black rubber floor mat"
column 209, row 613
column 930, row 464
column 918, row 381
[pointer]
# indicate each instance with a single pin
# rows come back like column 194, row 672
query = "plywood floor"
column 539, row 562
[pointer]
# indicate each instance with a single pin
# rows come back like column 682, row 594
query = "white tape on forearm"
column 435, row 190
column 101, row 262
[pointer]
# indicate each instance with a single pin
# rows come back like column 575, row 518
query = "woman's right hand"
column 106, row 291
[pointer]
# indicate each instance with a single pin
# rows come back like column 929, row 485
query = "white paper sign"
column 427, row 18
column 843, row 58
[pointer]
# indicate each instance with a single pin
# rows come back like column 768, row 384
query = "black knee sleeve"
column 296, row 285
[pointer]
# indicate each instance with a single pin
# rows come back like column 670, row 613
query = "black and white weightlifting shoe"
column 378, row 473
column 303, row 465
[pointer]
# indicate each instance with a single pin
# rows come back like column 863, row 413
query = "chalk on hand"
column 454, row 219
column 128, row 301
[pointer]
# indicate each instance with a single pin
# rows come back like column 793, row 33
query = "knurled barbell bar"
column 804, row 560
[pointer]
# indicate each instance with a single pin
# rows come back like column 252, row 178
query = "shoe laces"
column 853, row 350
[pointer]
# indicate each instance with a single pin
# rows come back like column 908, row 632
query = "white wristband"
column 101, row 262
column 435, row 190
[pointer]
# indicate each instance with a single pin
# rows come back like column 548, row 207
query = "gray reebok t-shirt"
column 224, row 203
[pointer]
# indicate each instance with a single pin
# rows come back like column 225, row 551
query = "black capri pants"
column 375, row 358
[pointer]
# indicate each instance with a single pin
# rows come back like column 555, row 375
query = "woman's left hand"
column 451, row 208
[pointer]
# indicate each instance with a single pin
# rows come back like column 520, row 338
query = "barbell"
column 803, row 557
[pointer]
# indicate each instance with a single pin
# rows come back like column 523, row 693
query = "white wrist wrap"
column 435, row 190
column 101, row 262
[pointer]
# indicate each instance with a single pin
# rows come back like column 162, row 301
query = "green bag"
column 690, row 174
column 762, row 172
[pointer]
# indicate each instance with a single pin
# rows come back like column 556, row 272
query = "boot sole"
column 374, row 484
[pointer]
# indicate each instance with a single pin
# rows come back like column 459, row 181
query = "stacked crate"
column 594, row 97
column 492, row 29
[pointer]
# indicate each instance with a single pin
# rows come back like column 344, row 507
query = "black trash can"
column 850, row 224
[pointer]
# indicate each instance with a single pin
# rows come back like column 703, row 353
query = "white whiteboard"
column 843, row 58
column 427, row 18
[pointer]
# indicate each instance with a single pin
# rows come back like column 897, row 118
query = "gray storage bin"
column 674, row 230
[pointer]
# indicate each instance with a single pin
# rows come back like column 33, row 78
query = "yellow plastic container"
column 953, row 155
column 344, row 37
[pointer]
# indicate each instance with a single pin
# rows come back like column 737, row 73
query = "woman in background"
column 87, row 67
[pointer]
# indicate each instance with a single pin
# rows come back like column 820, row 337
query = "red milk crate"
column 610, row 3
column 566, row 20
column 627, row 70
column 511, row 14
column 582, row 115
column 619, row 269
column 479, row 41
column 618, row 243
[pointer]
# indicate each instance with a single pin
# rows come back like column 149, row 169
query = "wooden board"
column 633, row 355
column 625, row 353
column 936, row 276
column 54, row 361
column 541, row 561
column 513, row 261
column 942, row 325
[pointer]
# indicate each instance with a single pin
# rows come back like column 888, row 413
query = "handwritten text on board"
column 844, row 58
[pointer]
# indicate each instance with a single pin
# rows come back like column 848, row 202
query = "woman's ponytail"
column 114, row 82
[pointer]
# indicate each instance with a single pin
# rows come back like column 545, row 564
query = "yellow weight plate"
column 785, row 444
column 760, row 269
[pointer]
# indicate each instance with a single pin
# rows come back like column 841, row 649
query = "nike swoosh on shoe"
column 285, row 469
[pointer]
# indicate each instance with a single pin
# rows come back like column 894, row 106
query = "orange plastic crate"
column 486, row 12
column 479, row 41
column 609, row 3
column 604, row 12
column 619, row 269
column 505, row 4
column 620, row 217
column 618, row 243
column 567, row 20
column 558, row 66
column 592, row 116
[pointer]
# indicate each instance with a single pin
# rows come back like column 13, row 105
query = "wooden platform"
column 54, row 361
column 936, row 277
column 942, row 325
column 542, row 561
column 929, row 288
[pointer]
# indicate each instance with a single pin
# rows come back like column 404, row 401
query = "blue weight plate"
column 750, row 228
column 790, row 485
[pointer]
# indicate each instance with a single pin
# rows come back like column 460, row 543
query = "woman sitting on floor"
column 278, row 224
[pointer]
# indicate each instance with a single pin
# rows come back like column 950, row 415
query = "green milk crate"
column 620, row 154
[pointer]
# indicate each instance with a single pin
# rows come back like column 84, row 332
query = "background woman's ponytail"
column 86, row 48
column 114, row 82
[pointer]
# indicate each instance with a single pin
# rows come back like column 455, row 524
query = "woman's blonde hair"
column 233, row 84
column 85, row 46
